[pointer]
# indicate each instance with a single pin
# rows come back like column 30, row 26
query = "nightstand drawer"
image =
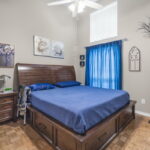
column 6, row 106
column 6, row 100
column 6, row 115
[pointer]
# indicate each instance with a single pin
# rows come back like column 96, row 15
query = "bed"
column 78, row 118
column 75, row 107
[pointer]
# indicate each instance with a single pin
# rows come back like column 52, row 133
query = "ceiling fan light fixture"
column 81, row 6
column 77, row 6
column 71, row 7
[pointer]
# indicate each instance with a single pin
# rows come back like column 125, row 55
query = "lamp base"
column 1, row 92
column 5, row 92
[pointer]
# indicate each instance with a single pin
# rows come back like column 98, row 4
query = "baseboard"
column 142, row 113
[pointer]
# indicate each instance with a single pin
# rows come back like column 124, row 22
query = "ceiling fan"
column 77, row 6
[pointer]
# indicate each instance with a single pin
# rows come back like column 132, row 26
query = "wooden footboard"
column 96, row 138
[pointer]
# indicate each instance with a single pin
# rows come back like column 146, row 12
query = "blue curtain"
column 104, row 65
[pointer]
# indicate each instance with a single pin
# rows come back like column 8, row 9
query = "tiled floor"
column 15, row 136
column 135, row 137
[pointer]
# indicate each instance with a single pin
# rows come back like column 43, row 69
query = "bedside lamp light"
column 3, row 79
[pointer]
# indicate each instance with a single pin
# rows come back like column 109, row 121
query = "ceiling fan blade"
column 93, row 4
column 60, row 2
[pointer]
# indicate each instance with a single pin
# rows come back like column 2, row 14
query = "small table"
column 8, row 106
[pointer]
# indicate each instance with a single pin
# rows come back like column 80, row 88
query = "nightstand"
column 8, row 106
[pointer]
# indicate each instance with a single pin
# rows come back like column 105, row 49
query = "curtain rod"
column 124, row 40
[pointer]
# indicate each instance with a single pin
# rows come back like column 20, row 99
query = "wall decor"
column 42, row 46
column 82, row 63
column 82, row 57
column 46, row 47
column 145, row 26
column 134, row 59
column 57, row 49
column 7, row 53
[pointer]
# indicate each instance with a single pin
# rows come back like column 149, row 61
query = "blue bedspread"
column 80, row 107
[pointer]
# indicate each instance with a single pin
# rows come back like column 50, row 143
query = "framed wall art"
column 49, row 48
column 82, row 60
column 82, row 57
column 57, row 49
column 42, row 46
column 7, row 54
column 82, row 63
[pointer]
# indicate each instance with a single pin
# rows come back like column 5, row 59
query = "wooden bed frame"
column 60, row 137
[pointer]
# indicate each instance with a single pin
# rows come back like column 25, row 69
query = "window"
column 103, row 65
column 103, row 23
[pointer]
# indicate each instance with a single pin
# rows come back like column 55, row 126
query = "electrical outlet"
column 143, row 101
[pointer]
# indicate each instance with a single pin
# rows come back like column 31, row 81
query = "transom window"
column 103, row 23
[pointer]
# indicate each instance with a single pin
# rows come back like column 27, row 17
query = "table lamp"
column 3, row 79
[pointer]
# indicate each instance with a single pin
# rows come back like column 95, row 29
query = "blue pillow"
column 67, row 84
column 41, row 86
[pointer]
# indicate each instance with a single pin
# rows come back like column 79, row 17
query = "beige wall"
column 21, row 19
column 130, row 14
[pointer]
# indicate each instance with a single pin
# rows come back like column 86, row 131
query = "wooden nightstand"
column 8, row 106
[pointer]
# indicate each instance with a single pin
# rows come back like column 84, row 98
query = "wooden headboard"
column 28, row 74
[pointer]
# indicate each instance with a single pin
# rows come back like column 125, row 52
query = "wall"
column 130, row 14
column 21, row 19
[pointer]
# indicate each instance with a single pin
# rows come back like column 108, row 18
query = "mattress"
column 80, row 107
